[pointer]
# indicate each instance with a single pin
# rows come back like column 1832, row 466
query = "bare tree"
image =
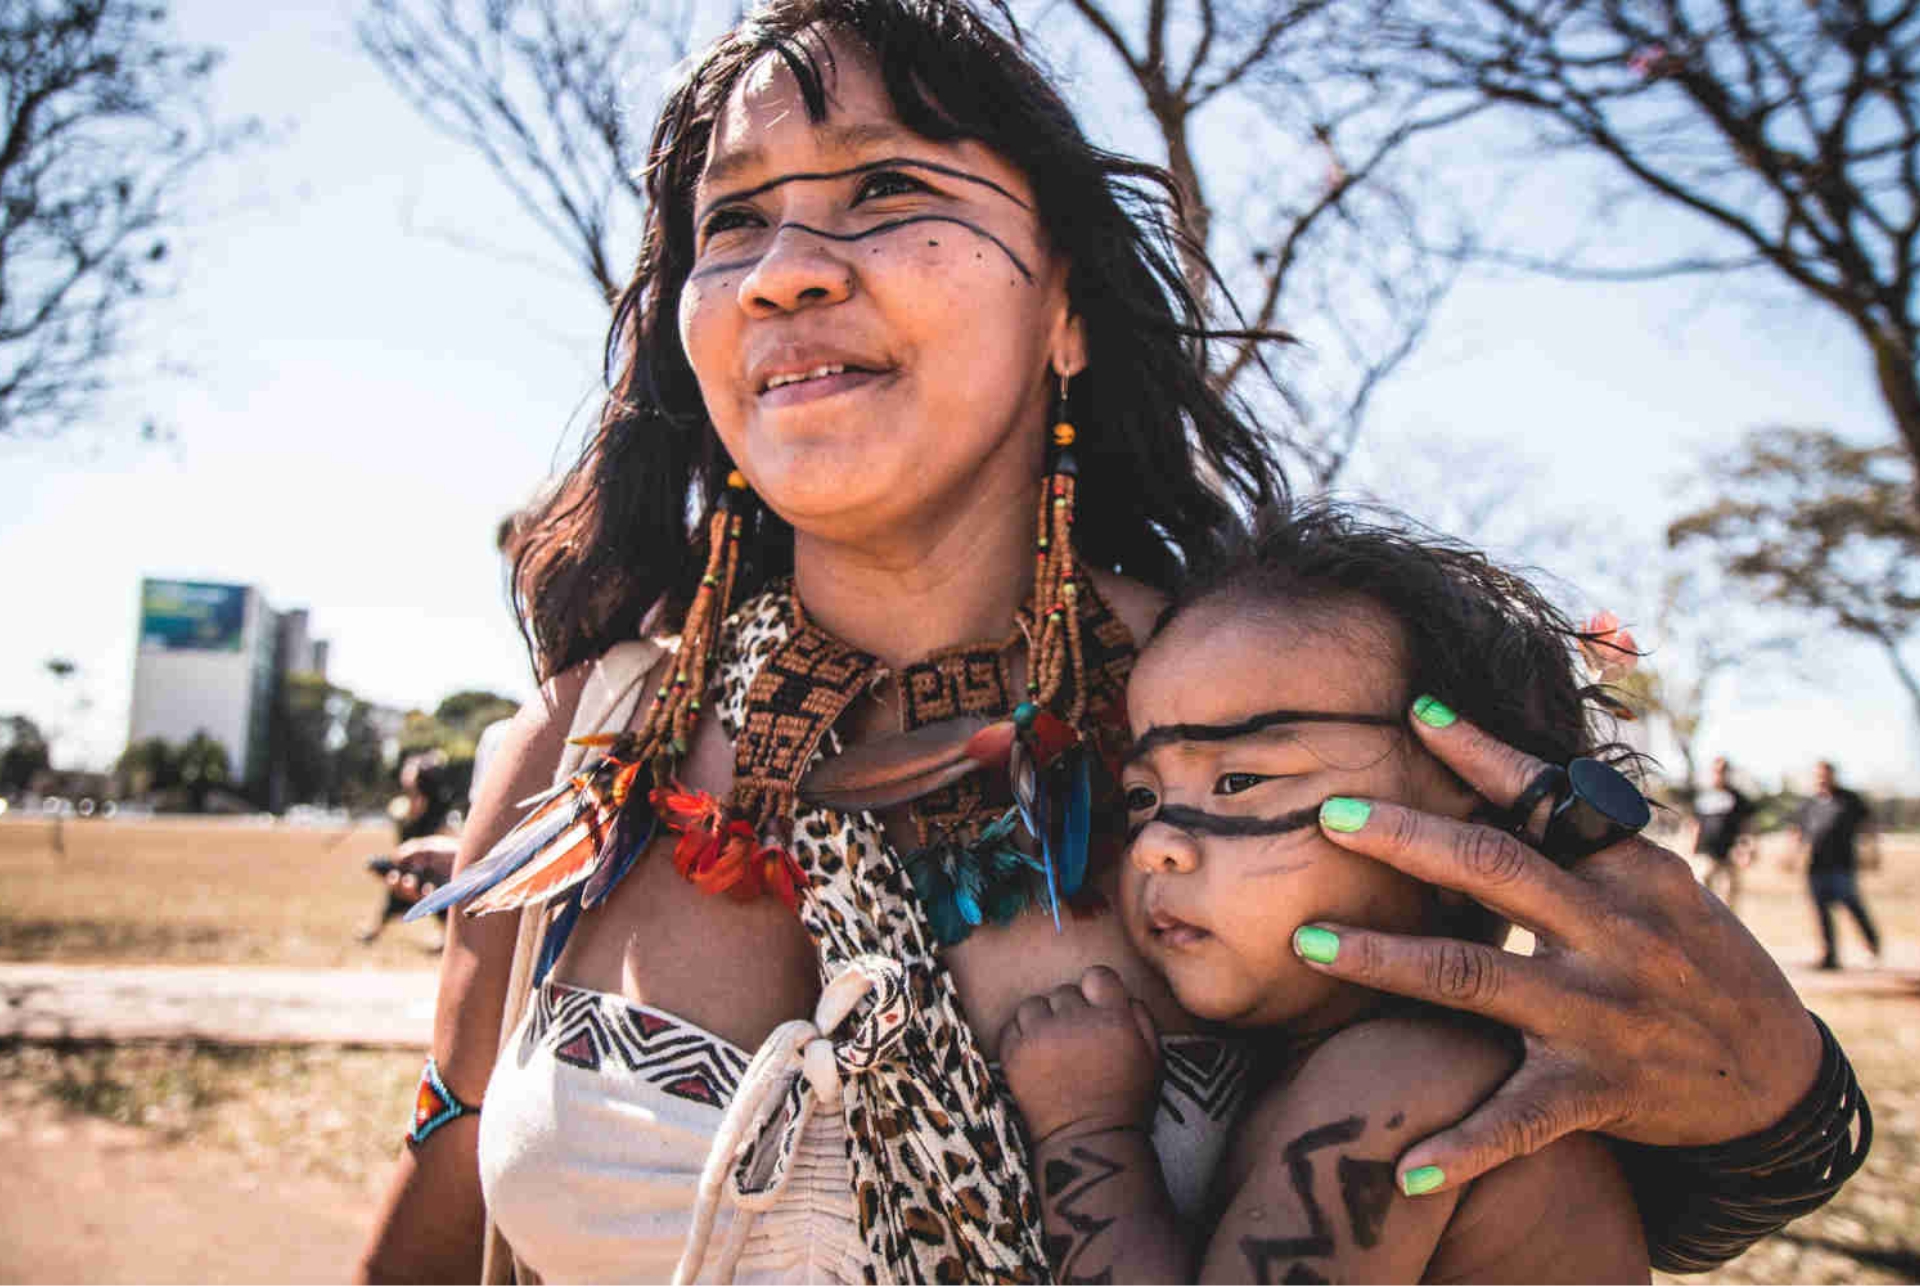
column 1789, row 130
column 105, row 122
column 1336, row 236
column 1823, row 528
column 542, row 89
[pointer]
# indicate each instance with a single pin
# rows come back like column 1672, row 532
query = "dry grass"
column 265, row 1110
column 192, row 891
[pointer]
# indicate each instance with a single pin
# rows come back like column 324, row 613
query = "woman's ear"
column 1069, row 344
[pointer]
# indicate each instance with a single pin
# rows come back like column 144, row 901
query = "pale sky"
column 387, row 357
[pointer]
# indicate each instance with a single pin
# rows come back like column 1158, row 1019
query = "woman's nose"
column 800, row 269
column 1160, row 848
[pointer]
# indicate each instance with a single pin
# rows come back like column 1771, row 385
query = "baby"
column 1266, row 712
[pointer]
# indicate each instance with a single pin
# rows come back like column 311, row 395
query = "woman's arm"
column 432, row 1220
column 1648, row 1011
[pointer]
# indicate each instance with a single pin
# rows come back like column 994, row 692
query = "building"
column 211, row 658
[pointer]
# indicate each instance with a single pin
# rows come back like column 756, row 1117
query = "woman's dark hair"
column 1478, row 637
column 1166, row 463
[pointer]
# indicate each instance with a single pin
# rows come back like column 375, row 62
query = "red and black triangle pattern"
column 596, row 1031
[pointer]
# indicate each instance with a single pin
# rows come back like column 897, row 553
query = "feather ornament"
column 896, row 769
column 962, row 886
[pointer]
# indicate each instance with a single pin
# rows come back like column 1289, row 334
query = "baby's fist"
column 1082, row 1058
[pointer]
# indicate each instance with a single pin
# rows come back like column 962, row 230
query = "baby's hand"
column 1082, row 1058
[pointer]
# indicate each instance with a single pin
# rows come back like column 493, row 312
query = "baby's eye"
column 1234, row 782
column 885, row 183
column 1140, row 799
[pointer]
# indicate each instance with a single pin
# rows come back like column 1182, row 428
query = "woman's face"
column 874, row 318
column 1223, row 791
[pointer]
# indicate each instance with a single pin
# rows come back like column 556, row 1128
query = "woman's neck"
column 957, row 579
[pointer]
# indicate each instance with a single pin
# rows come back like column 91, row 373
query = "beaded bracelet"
column 434, row 1105
column 1701, row 1206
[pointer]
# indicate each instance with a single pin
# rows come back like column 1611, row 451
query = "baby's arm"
column 1315, row 1197
column 1083, row 1063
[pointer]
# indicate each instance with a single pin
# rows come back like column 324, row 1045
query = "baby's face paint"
column 1223, row 789
column 871, row 314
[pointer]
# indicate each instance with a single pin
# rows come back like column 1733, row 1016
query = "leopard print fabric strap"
column 940, row 1180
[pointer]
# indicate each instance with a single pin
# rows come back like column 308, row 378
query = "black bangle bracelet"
column 1701, row 1206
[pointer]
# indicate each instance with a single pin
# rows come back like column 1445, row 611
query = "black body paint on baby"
column 1195, row 822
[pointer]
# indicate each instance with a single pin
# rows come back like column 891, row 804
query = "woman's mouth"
column 790, row 388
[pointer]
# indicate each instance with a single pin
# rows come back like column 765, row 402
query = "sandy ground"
column 86, row 1200
column 256, row 1188
column 232, row 1006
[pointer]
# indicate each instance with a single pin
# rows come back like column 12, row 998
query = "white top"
column 599, row 1117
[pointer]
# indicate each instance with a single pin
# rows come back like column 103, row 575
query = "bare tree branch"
column 105, row 121
column 542, row 90
column 1786, row 127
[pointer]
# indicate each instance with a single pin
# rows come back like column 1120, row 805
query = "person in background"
column 1720, row 816
column 1830, row 825
column 423, row 854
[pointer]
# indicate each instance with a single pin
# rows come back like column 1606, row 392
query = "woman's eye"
column 1234, row 782
column 884, row 183
column 1140, row 799
column 727, row 220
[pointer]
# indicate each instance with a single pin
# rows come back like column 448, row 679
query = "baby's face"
column 1226, row 858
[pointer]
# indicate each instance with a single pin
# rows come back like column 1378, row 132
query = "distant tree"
column 204, row 768
column 23, row 753
column 1819, row 526
column 544, row 91
column 148, row 766
column 1788, row 130
column 105, row 121
column 468, row 713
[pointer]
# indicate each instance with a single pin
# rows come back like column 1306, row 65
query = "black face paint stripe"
column 888, row 163
column 890, row 225
column 1166, row 734
column 1195, row 822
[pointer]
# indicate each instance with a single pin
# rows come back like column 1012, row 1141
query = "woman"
column 881, row 261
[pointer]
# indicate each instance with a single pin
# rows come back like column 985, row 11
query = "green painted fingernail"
column 1422, row 1179
column 1433, row 713
column 1317, row 945
column 1345, row 815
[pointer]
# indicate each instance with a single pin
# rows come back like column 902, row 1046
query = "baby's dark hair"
column 1479, row 638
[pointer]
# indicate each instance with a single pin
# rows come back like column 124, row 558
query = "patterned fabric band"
column 939, row 1170
column 1702, row 1206
column 434, row 1105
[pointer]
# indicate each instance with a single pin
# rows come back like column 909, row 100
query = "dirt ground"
column 195, row 1161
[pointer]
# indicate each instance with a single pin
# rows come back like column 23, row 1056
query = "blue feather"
column 556, row 939
column 1043, row 809
column 520, row 846
column 632, row 831
column 1077, row 832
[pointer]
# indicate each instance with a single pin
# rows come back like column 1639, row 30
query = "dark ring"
column 1550, row 780
column 1601, row 808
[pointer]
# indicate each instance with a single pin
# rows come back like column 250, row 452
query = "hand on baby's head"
column 1082, row 1059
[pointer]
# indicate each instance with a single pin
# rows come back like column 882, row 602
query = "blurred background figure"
column 1831, row 824
column 1720, row 816
column 423, row 856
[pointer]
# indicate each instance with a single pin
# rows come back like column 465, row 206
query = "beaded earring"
column 590, row 829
